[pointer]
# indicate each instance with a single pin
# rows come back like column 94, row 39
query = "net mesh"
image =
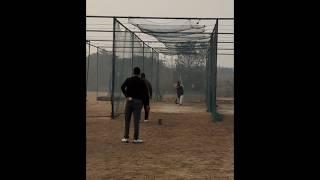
column 99, row 78
column 187, row 52
column 99, row 72
column 174, row 31
column 131, row 52
column 211, row 73
column 123, row 65
column 195, row 52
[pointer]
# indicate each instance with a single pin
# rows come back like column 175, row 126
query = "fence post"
column 113, row 68
column 97, row 71
column 88, row 70
column 143, row 57
column 132, row 53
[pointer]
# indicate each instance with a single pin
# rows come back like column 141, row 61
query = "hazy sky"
column 165, row 8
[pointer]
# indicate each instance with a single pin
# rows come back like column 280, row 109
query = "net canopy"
column 178, row 36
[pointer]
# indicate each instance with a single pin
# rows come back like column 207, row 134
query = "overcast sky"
column 166, row 8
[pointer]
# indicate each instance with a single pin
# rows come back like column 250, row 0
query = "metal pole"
column 143, row 57
column 132, row 52
column 88, row 69
column 207, row 81
column 113, row 68
column 215, row 67
column 216, row 114
column 210, row 75
column 157, row 86
column 97, row 71
column 152, row 66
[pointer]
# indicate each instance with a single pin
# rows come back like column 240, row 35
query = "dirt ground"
column 188, row 144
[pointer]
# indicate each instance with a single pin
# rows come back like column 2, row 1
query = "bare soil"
column 188, row 144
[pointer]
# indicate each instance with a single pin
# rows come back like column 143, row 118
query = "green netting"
column 154, row 74
column 211, row 95
column 137, row 53
column 187, row 52
column 174, row 31
column 90, row 74
column 196, row 58
column 104, row 75
column 147, row 62
column 166, row 80
column 123, row 65
column 163, row 26
column 99, row 78
column 131, row 52
column 99, row 72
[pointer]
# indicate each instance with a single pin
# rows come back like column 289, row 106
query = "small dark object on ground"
column 103, row 98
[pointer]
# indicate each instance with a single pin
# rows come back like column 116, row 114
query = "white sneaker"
column 146, row 120
column 125, row 140
column 137, row 141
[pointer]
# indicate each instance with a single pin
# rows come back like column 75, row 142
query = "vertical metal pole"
column 143, row 57
column 207, row 79
column 208, row 89
column 152, row 68
column 97, row 71
column 132, row 53
column 88, row 69
column 113, row 67
column 216, row 115
column 158, row 90
column 151, row 65
column 215, row 67
column 210, row 75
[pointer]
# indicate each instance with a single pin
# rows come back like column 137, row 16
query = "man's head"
column 143, row 76
column 136, row 71
column 178, row 83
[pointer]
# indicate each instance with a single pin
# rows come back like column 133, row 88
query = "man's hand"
column 129, row 98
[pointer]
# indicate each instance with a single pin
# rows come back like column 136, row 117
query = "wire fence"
column 195, row 65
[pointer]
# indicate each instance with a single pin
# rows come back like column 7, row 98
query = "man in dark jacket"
column 136, row 93
column 179, row 93
column 147, row 106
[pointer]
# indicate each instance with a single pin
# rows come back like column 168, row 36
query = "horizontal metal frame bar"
column 154, row 53
column 151, row 52
column 97, row 30
column 96, row 46
column 110, row 40
column 139, row 17
column 224, row 54
column 159, row 48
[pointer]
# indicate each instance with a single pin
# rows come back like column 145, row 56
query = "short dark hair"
column 136, row 71
column 143, row 75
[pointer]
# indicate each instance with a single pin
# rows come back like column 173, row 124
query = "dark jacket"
column 179, row 90
column 136, row 88
column 148, row 84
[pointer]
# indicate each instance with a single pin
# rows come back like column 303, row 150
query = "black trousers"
column 146, row 111
column 134, row 106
